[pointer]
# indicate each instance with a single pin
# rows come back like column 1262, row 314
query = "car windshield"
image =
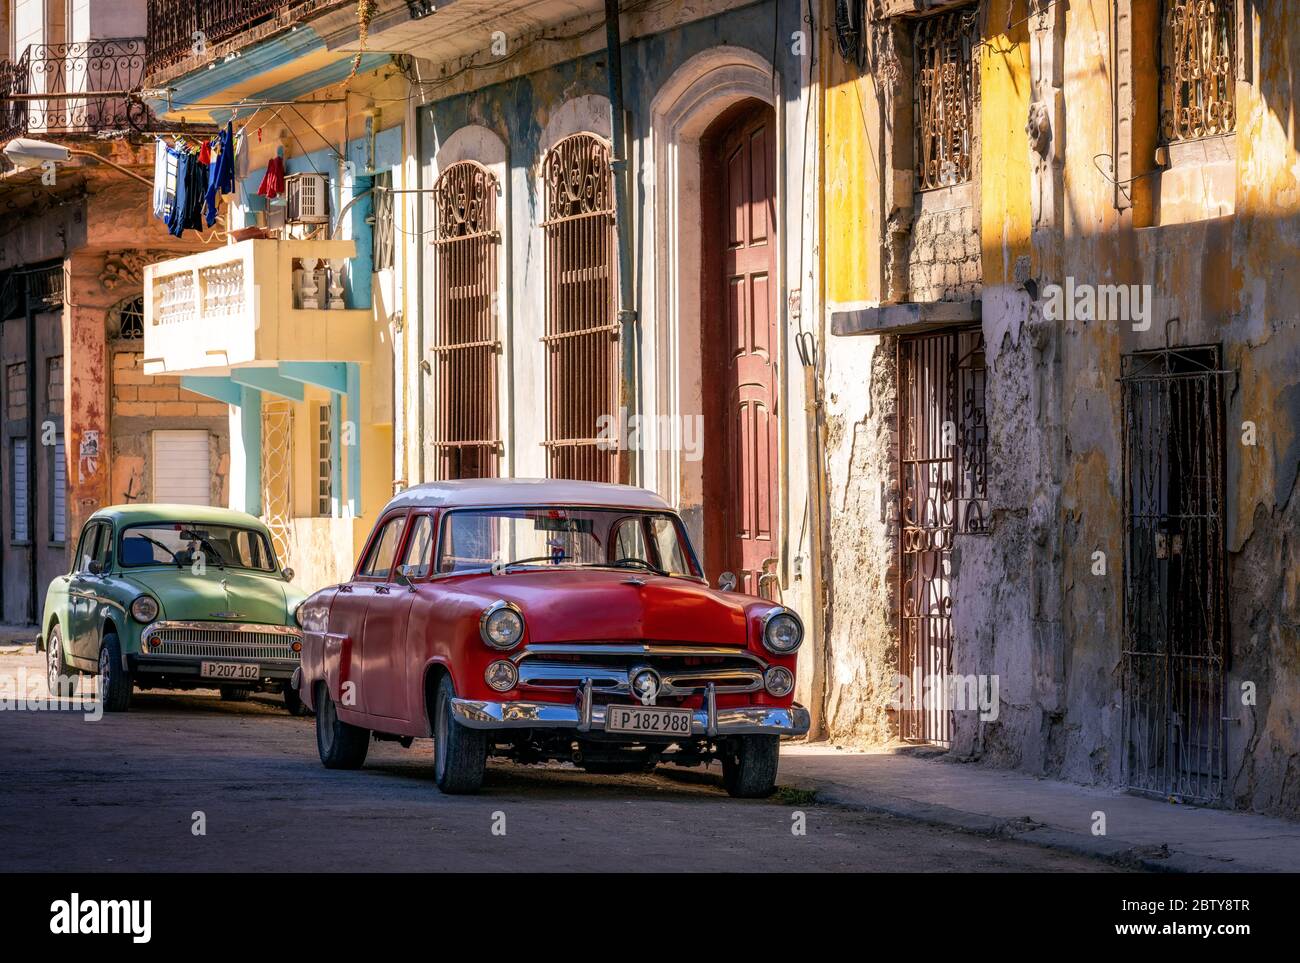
column 188, row 543
column 574, row 537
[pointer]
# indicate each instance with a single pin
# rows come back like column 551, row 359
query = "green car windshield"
column 185, row 543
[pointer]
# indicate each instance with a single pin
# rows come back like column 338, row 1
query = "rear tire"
column 56, row 668
column 235, row 693
column 459, row 753
column 341, row 745
column 114, row 681
column 749, row 766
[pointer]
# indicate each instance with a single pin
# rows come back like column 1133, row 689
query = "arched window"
column 581, row 327
column 465, row 343
column 126, row 320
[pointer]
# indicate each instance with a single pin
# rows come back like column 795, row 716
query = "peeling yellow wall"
column 1004, row 151
column 851, row 171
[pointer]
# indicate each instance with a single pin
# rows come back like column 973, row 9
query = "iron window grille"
column 945, row 97
column 1197, row 77
column 324, row 461
column 126, row 320
column 581, row 339
column 383, row 228
column 466, row 343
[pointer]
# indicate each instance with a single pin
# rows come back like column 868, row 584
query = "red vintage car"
column 542, row 619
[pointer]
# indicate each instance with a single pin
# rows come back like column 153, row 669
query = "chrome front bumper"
column 584, row 716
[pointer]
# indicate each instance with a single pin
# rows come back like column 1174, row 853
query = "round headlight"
column 144, row 609
column 297, row 614
column 778, row 681
column 502, row 675
column 501, row 625
column 782, row 631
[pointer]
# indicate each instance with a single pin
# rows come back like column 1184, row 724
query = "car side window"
column 629, row 541
column 104, row 547
column 669, row 546
column 85, row 548
column 379, row 563
column 417, row 561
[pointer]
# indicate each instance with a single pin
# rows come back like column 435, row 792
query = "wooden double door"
column 740, row 347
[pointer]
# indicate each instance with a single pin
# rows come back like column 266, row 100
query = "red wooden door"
column 748, row 293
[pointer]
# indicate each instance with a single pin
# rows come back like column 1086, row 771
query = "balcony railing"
column 73, row 88
column 253, row 302
column 179, row 29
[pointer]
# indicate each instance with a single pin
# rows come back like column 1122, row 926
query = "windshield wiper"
column 553, row 559
column 628, row 562
column 207, row 547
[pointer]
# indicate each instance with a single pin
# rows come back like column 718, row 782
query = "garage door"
column 181, row 471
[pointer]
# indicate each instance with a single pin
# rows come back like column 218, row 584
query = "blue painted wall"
column 388, row 154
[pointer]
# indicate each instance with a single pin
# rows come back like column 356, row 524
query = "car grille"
column 224, row 644
column 683, row 669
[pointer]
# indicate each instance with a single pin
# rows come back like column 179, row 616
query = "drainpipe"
column 629, row 328
column 33, row 539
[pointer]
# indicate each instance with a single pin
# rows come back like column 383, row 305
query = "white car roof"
column 494, row 492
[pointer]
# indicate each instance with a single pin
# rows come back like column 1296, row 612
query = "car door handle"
column 345, row 588
column 382, row 590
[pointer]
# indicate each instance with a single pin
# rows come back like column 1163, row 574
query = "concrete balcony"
column 256, row 303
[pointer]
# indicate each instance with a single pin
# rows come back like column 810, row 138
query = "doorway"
column 739, row 346
column 1175, row 592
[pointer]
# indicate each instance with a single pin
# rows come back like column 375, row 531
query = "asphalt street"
column 131, row 792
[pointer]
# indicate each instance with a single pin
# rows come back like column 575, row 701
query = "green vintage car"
column 174, row 597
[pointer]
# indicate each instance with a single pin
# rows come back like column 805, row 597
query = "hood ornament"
column 225, row 588
column 638, row 582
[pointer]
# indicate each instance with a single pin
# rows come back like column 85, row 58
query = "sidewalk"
column 16, row 638
column 1140, row 832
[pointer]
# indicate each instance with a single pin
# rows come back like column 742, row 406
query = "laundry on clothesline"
column 190, row 177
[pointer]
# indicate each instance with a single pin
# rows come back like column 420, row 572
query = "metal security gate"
column 942, row 445
column 1174, row 573
column 277, row 476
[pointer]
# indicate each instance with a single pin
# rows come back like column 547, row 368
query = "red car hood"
column 606, row 606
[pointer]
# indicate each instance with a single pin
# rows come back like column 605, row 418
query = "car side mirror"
column 288, row 574
column 94, row 568
column 400, row 576
column 727, row 581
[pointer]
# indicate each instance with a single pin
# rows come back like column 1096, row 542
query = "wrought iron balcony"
column 73, row 88
column 179, row 29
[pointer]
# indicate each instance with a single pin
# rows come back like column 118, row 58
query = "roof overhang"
column 909, row 317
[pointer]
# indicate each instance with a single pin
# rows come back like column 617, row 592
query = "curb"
column 1156, row 859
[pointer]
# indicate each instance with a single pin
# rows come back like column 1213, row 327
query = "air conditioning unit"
column 308, row 198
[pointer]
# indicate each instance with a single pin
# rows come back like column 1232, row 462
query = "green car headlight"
column 144, row 609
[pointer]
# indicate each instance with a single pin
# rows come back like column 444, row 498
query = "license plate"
column 230, row 670
column 646, row 719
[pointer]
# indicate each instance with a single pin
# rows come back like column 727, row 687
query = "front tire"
column 459, row 753
column 114, row 681
column 749, row 766
column 340, row 744
column 293, row 703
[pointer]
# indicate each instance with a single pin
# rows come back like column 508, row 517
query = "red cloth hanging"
column 273, row 182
